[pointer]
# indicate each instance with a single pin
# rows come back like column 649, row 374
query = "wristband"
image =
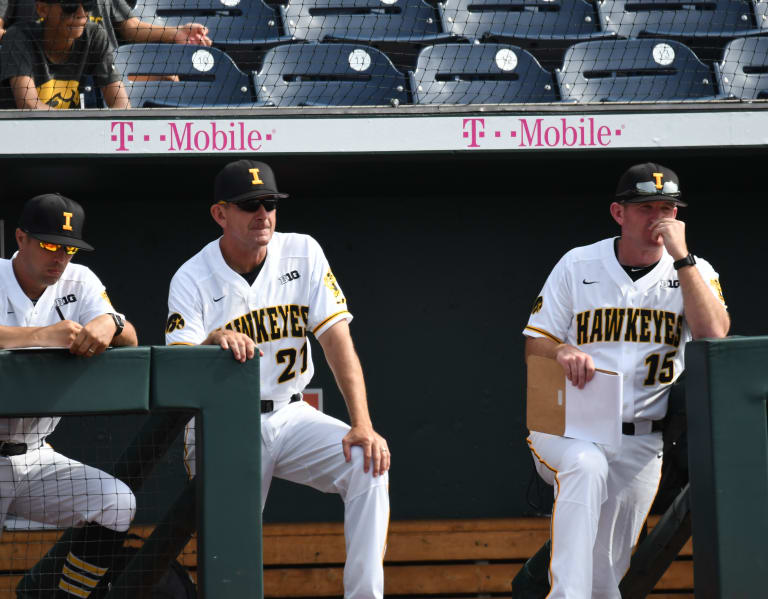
column 689, row 260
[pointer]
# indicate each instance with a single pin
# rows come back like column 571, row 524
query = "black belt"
column 628, row 428
column 8, row 449
column 267, row 405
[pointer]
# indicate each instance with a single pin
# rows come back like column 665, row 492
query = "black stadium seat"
column 480, row 74
column 208, row 77
column 363, row 21
column 743, row 71
column 232, row 24
column 675, row 19
column 515, row 21
column 314, row 74
column 633, row 71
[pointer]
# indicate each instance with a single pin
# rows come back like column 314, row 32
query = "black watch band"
column 119, row 323
column 689, row 260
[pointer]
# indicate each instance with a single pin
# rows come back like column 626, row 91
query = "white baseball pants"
column 303, row 445
column 602, row 497
column 45, row 486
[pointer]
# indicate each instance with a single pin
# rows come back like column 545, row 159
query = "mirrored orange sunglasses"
column 55, row 247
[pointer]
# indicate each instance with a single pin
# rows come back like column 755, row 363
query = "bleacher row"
column 325, row 74
column 394, row 52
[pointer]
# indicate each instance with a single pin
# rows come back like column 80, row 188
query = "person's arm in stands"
column 115, row 95
column 137, row 31
column 2, row 28
column 25, row 93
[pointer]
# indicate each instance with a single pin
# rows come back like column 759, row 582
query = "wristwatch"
column 689, row 260
column 119, row 323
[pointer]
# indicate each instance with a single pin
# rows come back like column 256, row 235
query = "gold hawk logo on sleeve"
column 60, row 94
column 537, row 305
column 106, row 297
column 716, row 285
column 175, row 321
column 330, row 282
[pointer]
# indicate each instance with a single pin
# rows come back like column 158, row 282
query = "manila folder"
column 545, row 396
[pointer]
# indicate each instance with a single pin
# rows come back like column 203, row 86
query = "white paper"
column 594, row 412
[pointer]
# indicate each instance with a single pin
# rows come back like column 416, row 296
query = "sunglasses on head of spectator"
column 70, row 8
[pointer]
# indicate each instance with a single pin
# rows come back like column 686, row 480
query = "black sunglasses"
column 253, row 204
column 70, row 8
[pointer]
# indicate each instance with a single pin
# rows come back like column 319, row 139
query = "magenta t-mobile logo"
column 124, row 134
column 473, row 130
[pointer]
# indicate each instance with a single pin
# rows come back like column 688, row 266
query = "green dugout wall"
column 728, row 455
column 440, row 256
column 200, row 380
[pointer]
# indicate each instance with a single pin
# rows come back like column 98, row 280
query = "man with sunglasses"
column 628, row 304
column 46, row 301
column 44, row 64
column 119, row 22
column 254, row 287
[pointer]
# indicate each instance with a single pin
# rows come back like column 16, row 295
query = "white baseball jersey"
column 636, row 328
column 295, row 293
column 78, row 294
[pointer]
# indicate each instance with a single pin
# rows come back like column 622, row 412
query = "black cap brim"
column 257, row 194
column 650, row 198
column 64, row 240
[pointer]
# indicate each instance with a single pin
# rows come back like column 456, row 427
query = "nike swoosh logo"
column 219, row 299
column 11, row 312
column 636, row 269
column 589, row 282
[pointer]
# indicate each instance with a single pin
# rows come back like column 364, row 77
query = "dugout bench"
column 165, row 381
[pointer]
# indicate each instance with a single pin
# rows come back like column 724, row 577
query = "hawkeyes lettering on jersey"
column 272, row 323
column 641, row 325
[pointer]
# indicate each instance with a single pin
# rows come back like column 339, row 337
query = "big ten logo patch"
column 330, row 282
column 288, row 277
column 670, row 283
column 314, row 397
column 537, row 305
column 67, row 299
column 175, row 321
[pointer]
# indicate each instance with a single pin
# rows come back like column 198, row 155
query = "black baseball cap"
column 53, row 218
column 243, row 180
column 648, row 182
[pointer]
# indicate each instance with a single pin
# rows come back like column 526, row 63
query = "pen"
column 58, row 311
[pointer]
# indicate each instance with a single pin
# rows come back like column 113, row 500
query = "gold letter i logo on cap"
column 255, row 173
column 658, row 177
column 68, row 217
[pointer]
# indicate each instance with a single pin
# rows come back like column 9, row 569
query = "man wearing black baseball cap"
column 46, row 301
column 257, row 287
column 626, row 304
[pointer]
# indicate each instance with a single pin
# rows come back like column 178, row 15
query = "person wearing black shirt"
column 43, row 64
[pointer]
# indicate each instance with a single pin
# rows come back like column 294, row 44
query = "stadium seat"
column 208, row 77
column 518, row 21
column 743, row 71
column 632, row 71
column 315, row 74
column 232, row 24
column 363, row 21
column 674, row 19
column 480, row 74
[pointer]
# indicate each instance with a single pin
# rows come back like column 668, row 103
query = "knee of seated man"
column 356, row 480
column 119, row 507
column 591, row 463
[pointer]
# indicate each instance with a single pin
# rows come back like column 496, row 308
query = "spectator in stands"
column 119, row 23
column 43, row 64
